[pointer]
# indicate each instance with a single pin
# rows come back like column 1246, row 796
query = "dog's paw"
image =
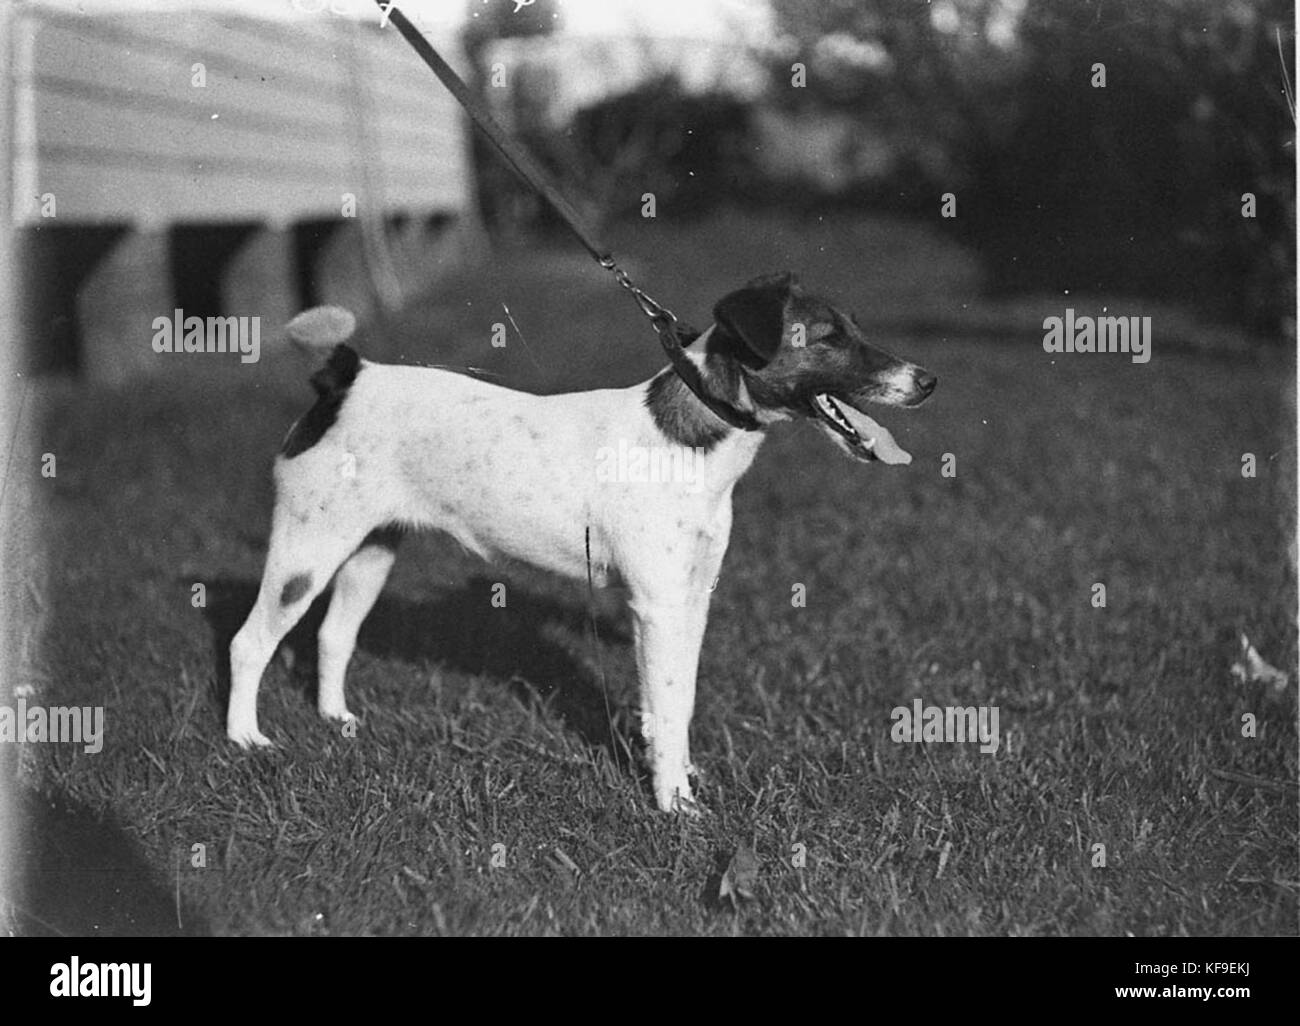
column 248, row 738
column 688, row 807
column 344, row 719
column 340, row 715
column 678, row 799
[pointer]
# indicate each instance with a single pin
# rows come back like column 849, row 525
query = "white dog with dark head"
column 509, row 474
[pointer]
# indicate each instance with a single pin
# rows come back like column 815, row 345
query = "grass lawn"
column 487, row 727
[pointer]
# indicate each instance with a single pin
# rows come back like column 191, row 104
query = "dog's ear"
column 755, row 316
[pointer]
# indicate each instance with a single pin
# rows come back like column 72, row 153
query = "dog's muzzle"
column 864, row 438
column 861, row 435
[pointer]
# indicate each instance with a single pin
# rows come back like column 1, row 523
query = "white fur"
column 510, row 475
column 513, row 475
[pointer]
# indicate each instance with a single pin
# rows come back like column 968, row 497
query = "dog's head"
column 783, row 353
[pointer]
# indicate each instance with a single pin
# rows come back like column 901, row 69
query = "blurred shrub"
column 1136, row 187
column 691, row 150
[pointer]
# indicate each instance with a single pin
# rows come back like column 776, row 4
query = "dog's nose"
column 925, row 382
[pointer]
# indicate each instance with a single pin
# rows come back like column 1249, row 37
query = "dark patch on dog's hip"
column 295, row 588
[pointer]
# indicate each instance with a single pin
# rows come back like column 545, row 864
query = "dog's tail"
column 321, row 328
column 325, row 329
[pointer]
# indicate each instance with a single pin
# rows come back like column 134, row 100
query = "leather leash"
column 663, row 320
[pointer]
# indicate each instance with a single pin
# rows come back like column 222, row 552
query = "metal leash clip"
column 660, row 316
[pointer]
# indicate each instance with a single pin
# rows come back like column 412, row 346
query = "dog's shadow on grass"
column 79, row 874
column 462, row 631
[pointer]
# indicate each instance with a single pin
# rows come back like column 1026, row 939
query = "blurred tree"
column 690, row 149
column 1135, row 187
column 504, row 202
column 1141, row 183
column 938, row 94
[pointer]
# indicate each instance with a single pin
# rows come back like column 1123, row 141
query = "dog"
column 510, row 474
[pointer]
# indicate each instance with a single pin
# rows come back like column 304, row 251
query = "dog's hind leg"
column 299, row 564
column 356, row 587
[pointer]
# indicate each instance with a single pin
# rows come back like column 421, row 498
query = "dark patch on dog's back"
column 386, row 536
column 332, row 383
column 295, row 588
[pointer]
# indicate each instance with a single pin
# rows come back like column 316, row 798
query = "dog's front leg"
column 668, row 635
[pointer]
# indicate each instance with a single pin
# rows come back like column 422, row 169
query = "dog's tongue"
column 885, row 448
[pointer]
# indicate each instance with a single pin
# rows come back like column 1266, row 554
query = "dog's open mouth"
column 861, row 436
